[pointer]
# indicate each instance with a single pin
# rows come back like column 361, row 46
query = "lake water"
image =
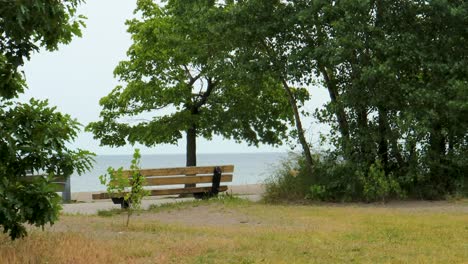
column 249, row 168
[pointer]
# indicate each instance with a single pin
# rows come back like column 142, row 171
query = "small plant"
column 377, row 185
column 118, row 185
column 317, row 192
column 115, row 182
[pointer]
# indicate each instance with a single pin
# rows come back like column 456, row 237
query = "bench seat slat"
column 181, row 171
column 185, row 180
column 186, row 190
column 168, row 191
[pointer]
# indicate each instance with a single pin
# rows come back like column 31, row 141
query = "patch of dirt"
column 205, row 215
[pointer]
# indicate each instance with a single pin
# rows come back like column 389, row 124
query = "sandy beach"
column 84, row 204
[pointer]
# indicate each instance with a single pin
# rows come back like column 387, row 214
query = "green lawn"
column 236, row 231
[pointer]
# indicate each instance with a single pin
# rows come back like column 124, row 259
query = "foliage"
column 117, row 184
column 176, row 81
column 289, row 181
column 34, row 140
column 259, row 36
column 33, row 136
column 377, row 185
column 334, row 181
column 395, row 74
column 138, row 181
column 317, row 192
column 397, row 78
column 25, row 27
column 33, row 204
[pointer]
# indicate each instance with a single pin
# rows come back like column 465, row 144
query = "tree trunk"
column 191, row 157
column 191, row 153
column 300, row 130
column 338, row 108
column 436, row 155
column 366, row 144
column 297, row 117
column 383, row 144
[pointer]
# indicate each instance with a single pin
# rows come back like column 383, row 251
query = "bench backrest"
column 177, row 176
column 183, row 175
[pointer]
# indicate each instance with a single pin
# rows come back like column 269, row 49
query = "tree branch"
column 204, row 97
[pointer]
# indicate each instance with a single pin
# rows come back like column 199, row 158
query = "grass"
column 225, row 199
column 222, row 199
column 231, row 230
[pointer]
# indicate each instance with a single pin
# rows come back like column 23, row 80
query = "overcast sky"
column 79, row 74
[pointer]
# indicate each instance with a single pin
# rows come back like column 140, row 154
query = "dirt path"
column 86, row 206
column 253, row 192
column 91, row 208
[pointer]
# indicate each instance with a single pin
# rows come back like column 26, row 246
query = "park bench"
column 164, row 181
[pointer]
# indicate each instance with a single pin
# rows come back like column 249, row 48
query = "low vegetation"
column 342, row 181
column 231, row 230
column 129, row 188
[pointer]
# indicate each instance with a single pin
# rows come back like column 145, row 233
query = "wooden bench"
column 212, row 175
column 59, row 184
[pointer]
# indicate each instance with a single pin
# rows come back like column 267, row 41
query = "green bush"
column 317, row 192
column 377, row 186
column 334, row 180
column 290, row 181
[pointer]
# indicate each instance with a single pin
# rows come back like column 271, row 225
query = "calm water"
column 248, row 168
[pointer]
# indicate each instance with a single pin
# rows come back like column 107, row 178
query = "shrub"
column 290, row 181
column 334, row 180
column 378, row 186
column 317, row 192
column 118, row 185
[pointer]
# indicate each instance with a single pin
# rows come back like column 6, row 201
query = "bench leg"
column 216, row 181
column 120, row 200
column 125, row 204
column 66, row 194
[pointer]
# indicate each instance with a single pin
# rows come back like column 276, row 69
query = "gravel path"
column 86, row 206
column 90, row 208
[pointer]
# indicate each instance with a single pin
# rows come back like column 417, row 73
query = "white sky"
column 79, row 74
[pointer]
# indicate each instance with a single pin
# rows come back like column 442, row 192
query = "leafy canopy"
column 34, row 141
column 25, row 27
column 178, row 76
column 34, row 137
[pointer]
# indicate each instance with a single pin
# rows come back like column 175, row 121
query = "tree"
column 395, row 72
column 258, row 34
column 33, row 136
column 396, row 82
column 177, row 80
column 27, row 26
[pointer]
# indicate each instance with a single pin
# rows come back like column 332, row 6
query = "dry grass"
column 251, row 233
